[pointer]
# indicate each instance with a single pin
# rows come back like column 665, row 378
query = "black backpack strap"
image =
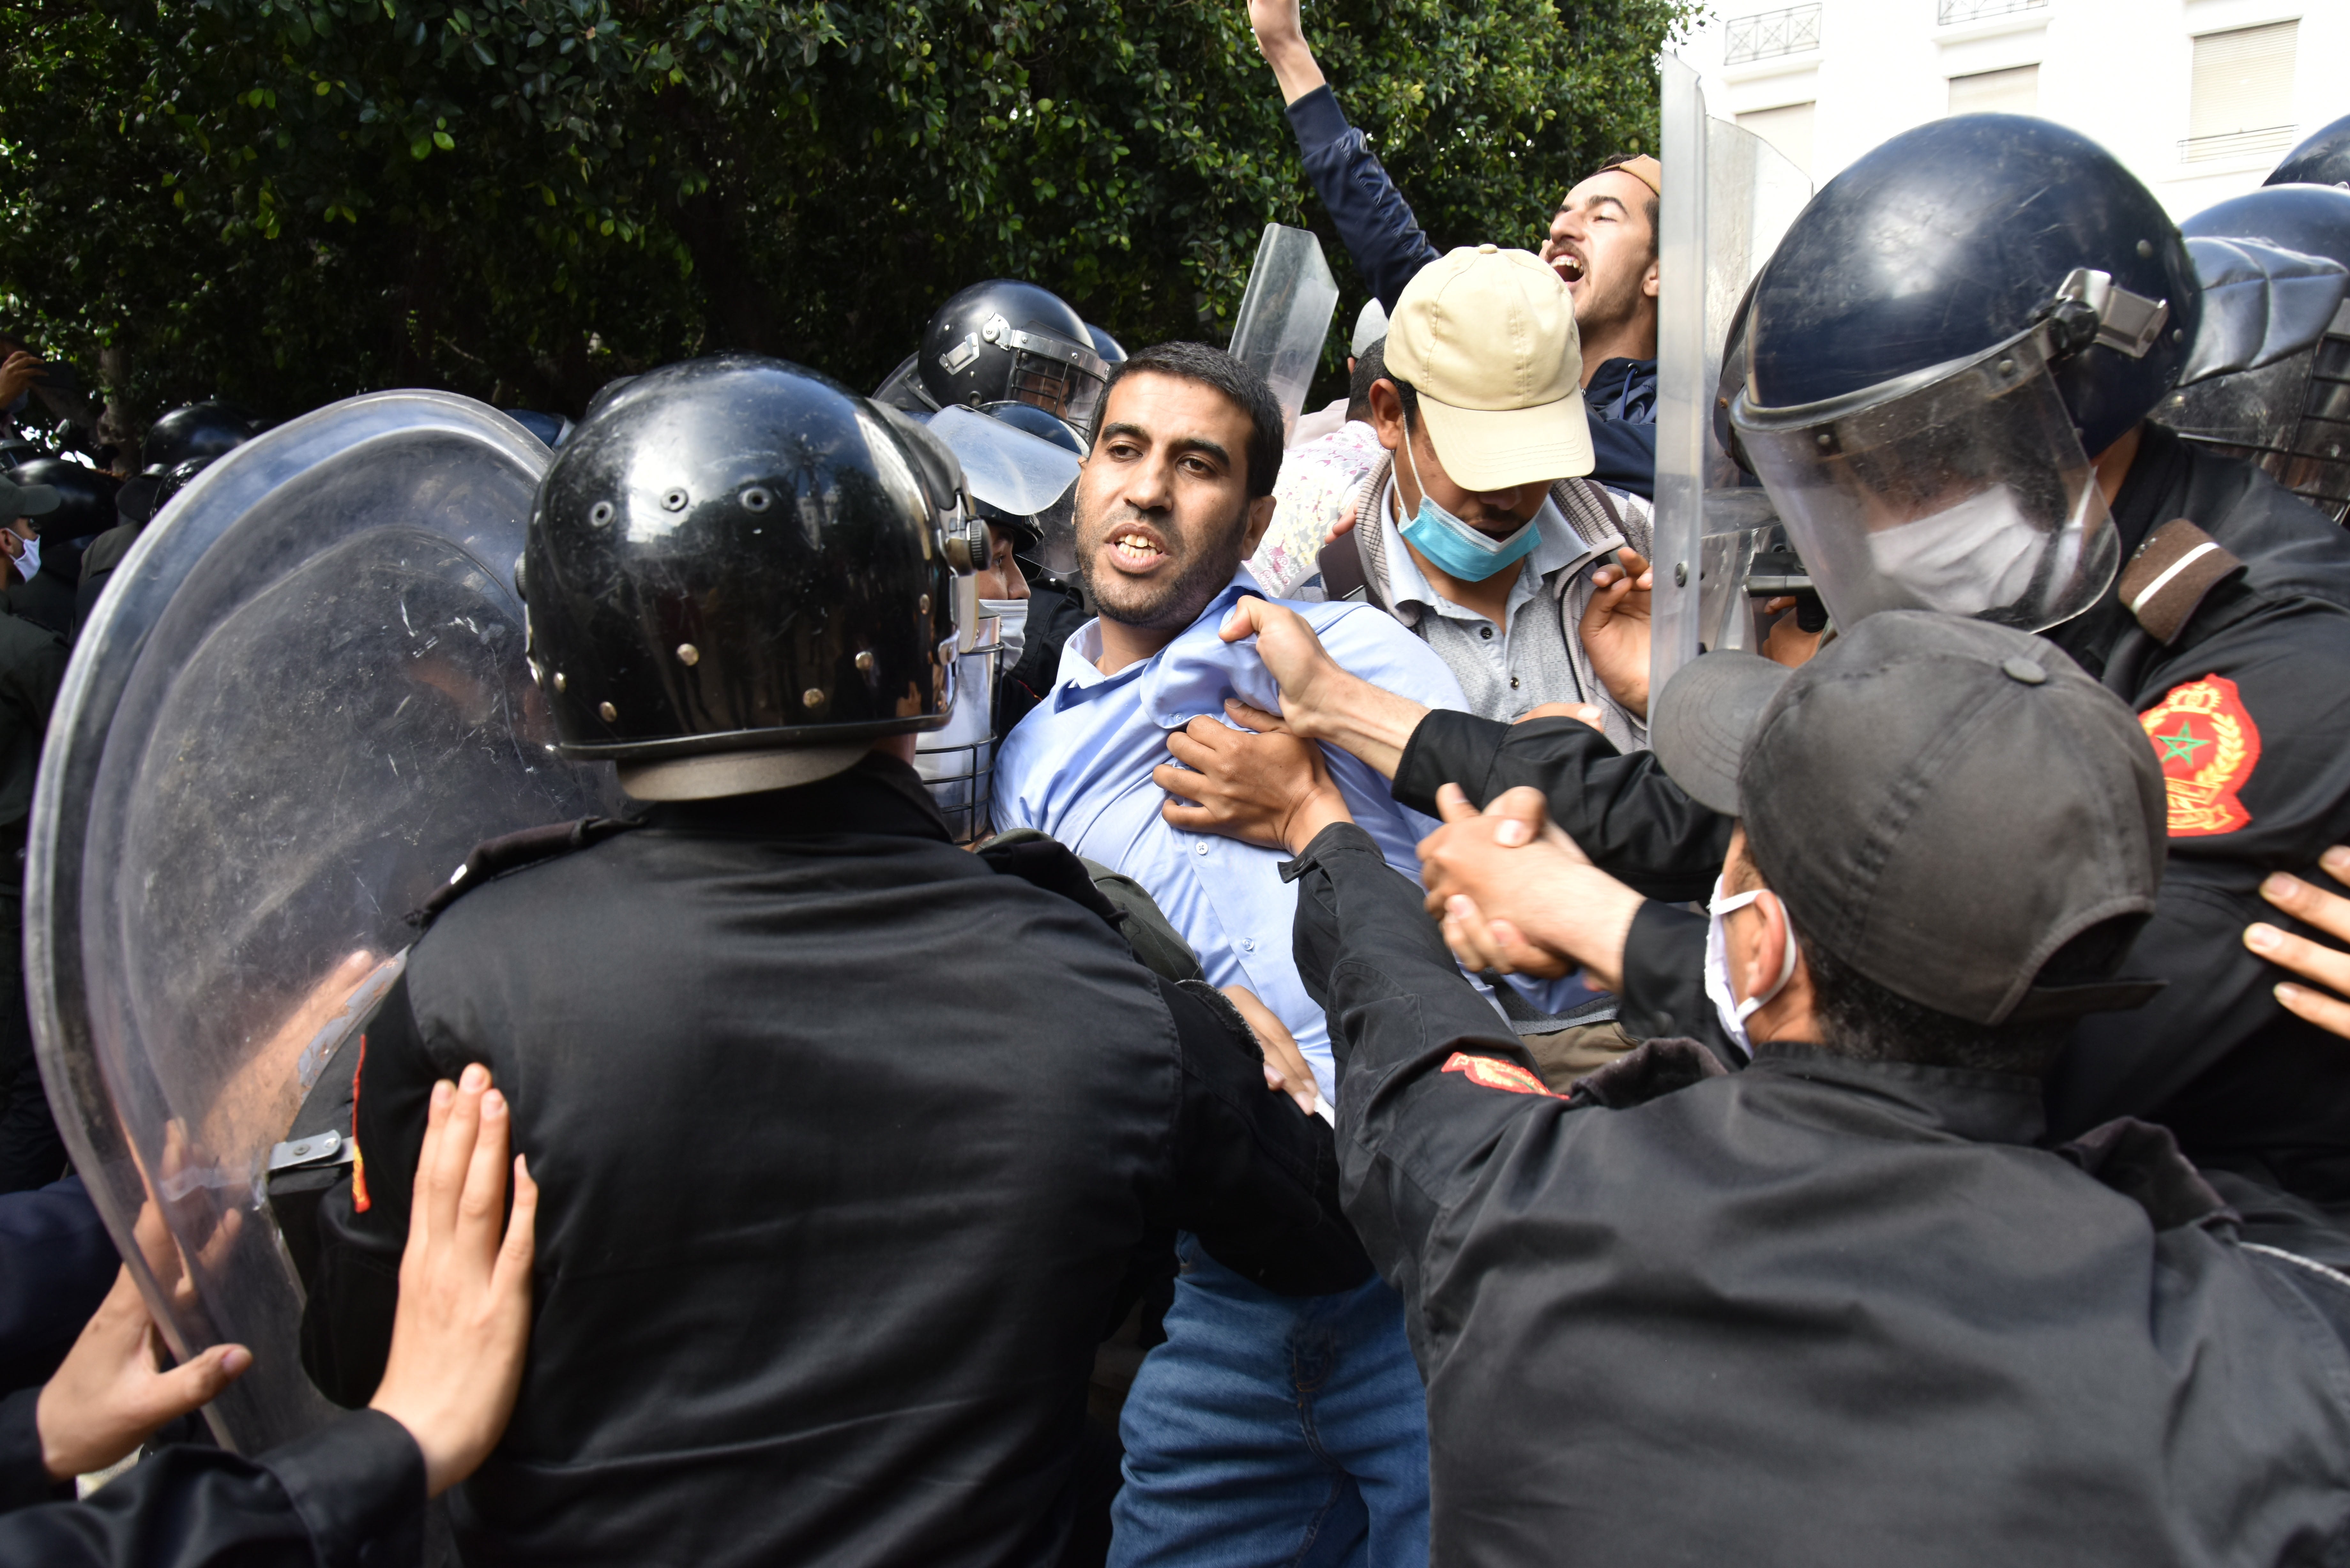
column 511, row 852
column 1341, row 562
column 1119, row 900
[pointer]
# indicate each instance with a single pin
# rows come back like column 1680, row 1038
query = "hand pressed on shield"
column 1319, row 701
column 464, row 1323
column 1260, row 784
column 110, row 1395
column 1517, row 895
column 2330, row 967
column 1615, row 628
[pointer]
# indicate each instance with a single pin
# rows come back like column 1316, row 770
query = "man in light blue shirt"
column 1267, row 1428
column 1081, row 768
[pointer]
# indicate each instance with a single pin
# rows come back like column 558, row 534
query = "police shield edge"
column 303, row 702
column 1730, row 198
column 1284, row 315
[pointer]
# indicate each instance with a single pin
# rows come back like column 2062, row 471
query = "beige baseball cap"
column 1487, row 338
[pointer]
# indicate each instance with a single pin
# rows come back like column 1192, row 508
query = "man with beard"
column 1266, row 1429
column 1602, row 241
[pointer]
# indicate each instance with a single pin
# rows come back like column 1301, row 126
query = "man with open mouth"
column 1602, row 242
column 1267, row 1428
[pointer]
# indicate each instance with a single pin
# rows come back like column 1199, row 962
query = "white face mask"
column 1013, row 614
column 1964, row 559
column 1733, row 1012
column 30, row 561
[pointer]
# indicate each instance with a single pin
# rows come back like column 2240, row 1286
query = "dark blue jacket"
column 1385, row 239
column 57, row 1264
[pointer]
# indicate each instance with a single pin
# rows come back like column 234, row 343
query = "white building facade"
column 2199, row 98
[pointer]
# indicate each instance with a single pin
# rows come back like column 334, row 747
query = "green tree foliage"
column 284, row 202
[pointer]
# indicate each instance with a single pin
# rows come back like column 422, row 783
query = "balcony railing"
column 1954, row 12
column 1768, row 34
column 2235, row 145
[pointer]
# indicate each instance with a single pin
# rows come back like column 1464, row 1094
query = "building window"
column 1789, row 130
column 1766, row 34
column 2014, row 91
column 1953, row 12
column 2244, row 90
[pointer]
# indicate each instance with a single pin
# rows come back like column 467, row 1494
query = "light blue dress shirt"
column 1079, row 768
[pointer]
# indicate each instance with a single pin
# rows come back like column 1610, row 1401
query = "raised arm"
column 1371, row 215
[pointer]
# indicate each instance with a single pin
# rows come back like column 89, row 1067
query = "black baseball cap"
column 1943, row 804
column 27, row 500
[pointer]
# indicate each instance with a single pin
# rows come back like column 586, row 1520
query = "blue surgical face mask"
column 1452, row 545
column 30, row 562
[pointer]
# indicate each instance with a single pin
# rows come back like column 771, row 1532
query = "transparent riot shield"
column 1002, row 465
column 299, row 705
column 1729, row 196
column 1285, row 315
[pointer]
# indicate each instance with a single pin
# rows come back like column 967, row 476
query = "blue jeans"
column 1275, row 1430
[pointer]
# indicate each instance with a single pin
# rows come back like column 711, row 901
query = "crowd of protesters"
column 1356, row 1073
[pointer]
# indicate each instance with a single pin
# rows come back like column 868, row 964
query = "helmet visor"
column 1962, row 489
column 1057, row 386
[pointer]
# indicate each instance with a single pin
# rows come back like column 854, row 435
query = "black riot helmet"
column 1955, row 237
column 1111, row 351
column 2269, row 382
column 1003, row 339
column 180, row 477
column 199, row 429
column 738, row 559
column 85, row 497
column 1949, row 334
column 2323, row 159
column 1052, row 530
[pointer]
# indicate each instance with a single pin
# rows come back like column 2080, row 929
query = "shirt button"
column 1486, row 632
column 1248, row 944
column 1513, row 684
column 1201, row 846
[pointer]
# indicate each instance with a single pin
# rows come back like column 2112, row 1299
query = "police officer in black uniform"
column 836, row 1202
column 2219, row 610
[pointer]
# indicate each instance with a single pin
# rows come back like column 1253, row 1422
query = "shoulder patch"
column 2208, row 746
column 1491, row 1073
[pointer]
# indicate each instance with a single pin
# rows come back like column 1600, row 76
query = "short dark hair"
column 1864, row 1019
column 1651, row 206
column 1211, row 367
column 1370, row 365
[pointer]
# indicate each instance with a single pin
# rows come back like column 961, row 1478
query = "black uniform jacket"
column 351, row 1495
column 2259, row 784
column 844, row 1143
column 1818, row 1312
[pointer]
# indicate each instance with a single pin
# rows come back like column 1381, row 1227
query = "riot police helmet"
column 738, row 574
column 1952, row 330
column 2270, row 379
column 199, row 430
column 85, row 496
column 2323, row 159
column 1111, row 351
column 180, row 477
column 1005, row 339
column 2311, row 218
column 1051, row 530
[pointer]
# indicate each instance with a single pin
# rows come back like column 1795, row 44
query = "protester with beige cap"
column 1602, row 242
column 1477, row 530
